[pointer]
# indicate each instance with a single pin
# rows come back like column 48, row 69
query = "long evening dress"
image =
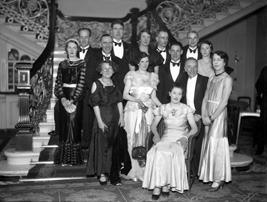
column 142, row 87
column 165, row 164
column 101, row 146
column 214, row 165
column 205, row 69
column 69, row 84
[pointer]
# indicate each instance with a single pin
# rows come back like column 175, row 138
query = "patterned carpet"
column 245, row 187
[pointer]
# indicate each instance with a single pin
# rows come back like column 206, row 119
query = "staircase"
column 28, row 41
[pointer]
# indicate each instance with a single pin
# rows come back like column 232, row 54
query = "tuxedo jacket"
column 91, row 75
column 200, row 88
column 168, row 56
column 185, row 49
column 166, row 80
column 124, row 65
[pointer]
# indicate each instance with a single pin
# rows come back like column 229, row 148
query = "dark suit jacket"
column 200, row 88
column 168, row 56
column 166, row 80
column 185, row 49
column 124, row 65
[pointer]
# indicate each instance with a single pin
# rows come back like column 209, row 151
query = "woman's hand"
column 206, row 120
column 121, row 121
column 102, row 126
column 65, row 102
column 183, row 142
column 156, row 139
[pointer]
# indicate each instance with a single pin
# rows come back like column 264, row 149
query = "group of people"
column 110, row 98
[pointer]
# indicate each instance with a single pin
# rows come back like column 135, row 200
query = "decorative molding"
column 32, row 14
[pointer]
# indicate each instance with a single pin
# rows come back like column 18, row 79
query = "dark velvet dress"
column 101, row 146
column 155, row 59
column 69, row 84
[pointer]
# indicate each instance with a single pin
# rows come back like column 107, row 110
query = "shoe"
column 165, row 194
column 155, row 197
column 103, row 182
column 214, row 189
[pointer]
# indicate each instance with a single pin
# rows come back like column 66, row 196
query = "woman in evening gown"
column 139, row 91
column 69, row 89
column 165, row 167
column 155, row 58
column 204, row 64
column 106, row 101
column 214, row 163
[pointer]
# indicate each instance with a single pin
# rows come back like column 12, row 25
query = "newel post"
column 23, row 138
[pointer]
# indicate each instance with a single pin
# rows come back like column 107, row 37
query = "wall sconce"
column 237, row 58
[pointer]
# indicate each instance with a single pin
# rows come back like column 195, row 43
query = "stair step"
column 208, row 22
column 39, row 141
column 46, row 127
column 41, row 162
column 49, row 146
column 14, row 170
column 220, row 16
column 22, row 157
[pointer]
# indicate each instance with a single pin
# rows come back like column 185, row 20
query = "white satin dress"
column 165, row 164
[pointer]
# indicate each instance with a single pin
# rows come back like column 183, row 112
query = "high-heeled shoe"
column 214, row 189
column 155, row 197
column 103, row 182
column 165, row 194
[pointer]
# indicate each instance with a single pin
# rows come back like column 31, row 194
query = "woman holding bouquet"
column 139, row 91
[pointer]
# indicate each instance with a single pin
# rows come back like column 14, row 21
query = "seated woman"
column 165, row 167
column 106, row 101
column 140, row 93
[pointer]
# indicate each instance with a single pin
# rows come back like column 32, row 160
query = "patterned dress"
column 214, row 165
column 165, row 164
column 69, row 84
column 142, row 87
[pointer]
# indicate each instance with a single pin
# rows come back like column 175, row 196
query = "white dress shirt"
column 163, row 53
column 190, row 91
column 175, row 70
column 81, row 54
column 118, row 50
column 192, row 55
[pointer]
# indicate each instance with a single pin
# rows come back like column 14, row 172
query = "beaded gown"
column 101, row 146
column 215, row 159
column 165, row 164
column 69, row 84
column 142, row 86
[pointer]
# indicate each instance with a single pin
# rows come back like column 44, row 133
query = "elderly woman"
column 106, row 101
column 69, row 90
column 215, row 163
column 140, row 93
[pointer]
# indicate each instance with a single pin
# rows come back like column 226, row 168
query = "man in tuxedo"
column 162, row 39
column 171, row 72
column 192, row 49
column 120, row 49
column 86, row 53
column 195, row 90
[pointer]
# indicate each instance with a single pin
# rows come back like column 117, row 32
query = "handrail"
column 37, row 65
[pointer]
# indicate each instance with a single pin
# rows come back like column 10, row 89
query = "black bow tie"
column 161, row 51
column 117, row 44
column 175, row 63
column 83, row 50
column 192, row 51
column 106, row 58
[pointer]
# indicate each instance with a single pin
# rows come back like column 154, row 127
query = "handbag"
column 139, row 153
